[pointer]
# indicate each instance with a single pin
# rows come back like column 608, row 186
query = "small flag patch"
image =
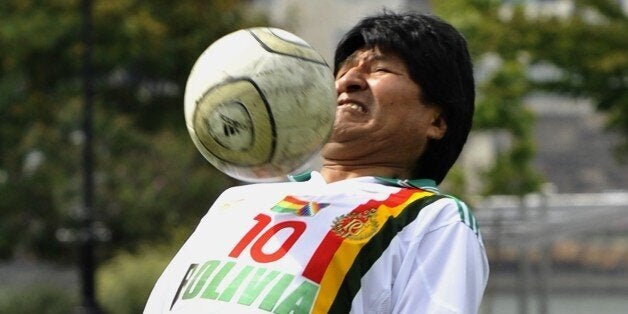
column 291, row 204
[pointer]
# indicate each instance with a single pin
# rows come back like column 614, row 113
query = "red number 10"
column 298, row 227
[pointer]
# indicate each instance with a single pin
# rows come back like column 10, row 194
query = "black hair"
column 438, row 60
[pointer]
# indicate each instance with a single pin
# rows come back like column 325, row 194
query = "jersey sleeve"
column 450, row 271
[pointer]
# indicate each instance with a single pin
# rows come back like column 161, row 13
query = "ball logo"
column 230, row 125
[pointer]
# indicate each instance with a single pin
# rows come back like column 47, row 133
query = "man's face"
column 380, row 119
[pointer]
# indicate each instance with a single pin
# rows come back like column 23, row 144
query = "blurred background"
column 100, row 183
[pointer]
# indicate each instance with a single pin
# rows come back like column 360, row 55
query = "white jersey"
column 363, row 245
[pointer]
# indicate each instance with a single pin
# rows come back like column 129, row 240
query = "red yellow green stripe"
column 335, row 255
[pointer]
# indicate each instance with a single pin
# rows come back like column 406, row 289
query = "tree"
column 149, row 177
column 502, row 86
column 589, row 49
column 586, row 49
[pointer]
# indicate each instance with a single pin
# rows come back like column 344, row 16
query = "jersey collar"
column 424, row 184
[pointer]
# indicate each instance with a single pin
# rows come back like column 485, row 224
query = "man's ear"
column 438, row 127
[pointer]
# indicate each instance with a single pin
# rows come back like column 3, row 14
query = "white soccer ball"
column 259, row 104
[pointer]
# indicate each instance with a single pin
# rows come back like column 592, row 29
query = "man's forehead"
column 368, row 54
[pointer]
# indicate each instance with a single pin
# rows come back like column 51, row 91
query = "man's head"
column 437, row 60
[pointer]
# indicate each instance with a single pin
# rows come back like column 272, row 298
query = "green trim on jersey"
column 423, row 184
column 301, row 177
column 466, row 215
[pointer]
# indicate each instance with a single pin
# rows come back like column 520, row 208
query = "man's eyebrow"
column 379, row 56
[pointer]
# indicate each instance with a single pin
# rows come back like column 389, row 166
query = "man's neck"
column 335, row 172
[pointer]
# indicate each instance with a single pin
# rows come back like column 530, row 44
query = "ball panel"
column 281, row 42
column 234, row 123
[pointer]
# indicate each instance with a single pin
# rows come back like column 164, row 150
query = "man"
column 370, row 233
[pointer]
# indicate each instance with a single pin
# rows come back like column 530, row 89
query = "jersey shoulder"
column 445, row 209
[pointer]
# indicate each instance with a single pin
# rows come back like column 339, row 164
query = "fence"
column 546, row 245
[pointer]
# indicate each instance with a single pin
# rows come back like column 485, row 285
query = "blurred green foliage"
column 38, row 299
column 585, row 51
column 125, row 281
column 149, row 177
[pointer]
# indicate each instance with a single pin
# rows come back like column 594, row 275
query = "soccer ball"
column 259, row 104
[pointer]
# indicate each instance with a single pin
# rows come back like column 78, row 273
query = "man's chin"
column 338, row 150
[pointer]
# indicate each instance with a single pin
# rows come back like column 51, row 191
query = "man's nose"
column 351, row 81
